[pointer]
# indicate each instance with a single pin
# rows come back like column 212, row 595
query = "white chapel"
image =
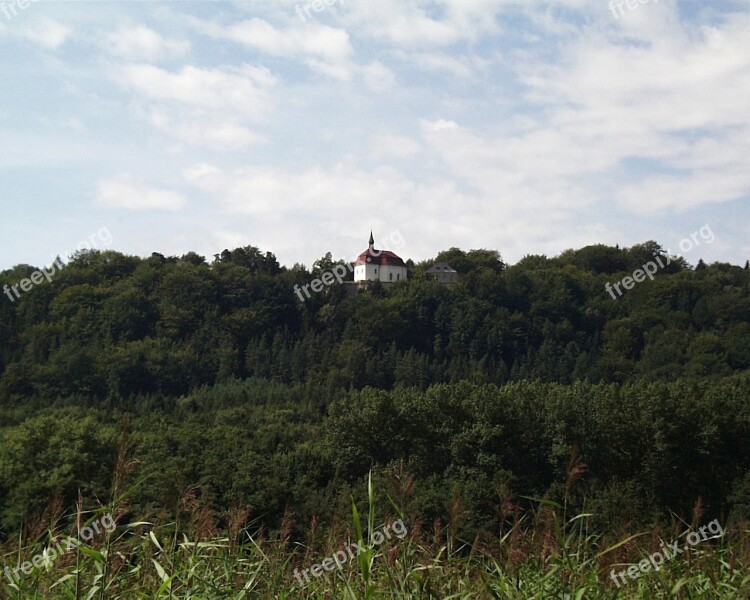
column 378, row 265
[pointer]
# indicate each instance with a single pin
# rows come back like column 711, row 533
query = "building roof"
column 441, row 267
column 386, row 258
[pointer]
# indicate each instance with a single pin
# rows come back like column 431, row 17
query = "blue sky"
column 525, row 126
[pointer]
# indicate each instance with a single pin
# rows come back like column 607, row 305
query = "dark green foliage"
column 53, row 456
column 110, row 325
column 500, row 387
column 630, row 454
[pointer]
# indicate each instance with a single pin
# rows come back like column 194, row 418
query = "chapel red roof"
column 379, row 257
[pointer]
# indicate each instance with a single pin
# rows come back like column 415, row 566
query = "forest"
column 468, row 404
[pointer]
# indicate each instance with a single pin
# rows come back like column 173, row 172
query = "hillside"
column 177, row 391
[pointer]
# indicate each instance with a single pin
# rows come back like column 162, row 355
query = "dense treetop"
column 111, row 325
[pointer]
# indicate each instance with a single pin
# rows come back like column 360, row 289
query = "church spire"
column 372, row 241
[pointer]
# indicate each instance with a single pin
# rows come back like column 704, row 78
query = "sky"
column 525, row 126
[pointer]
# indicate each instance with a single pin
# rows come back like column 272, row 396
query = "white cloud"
column 124, row 191
column 424, row 23
column 47, row 33
column 257, row 190
column 647, row 101
column 208, row 131
column 324, row 49
column 140, row 43
column 342, row 72
column 200, row 170
column 203, row 107
column 519, row 175
column 674, row 101
column 384, row 146
column 244, row 90
column 306, row 213
column 683, row 193
column 378, row 77
column 315, row 39
column 461, row 66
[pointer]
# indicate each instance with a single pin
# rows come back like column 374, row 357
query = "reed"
column 540, row 555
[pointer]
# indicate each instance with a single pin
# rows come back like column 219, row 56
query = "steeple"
column 372, row 242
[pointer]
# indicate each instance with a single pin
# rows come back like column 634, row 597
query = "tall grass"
column 541, row 555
